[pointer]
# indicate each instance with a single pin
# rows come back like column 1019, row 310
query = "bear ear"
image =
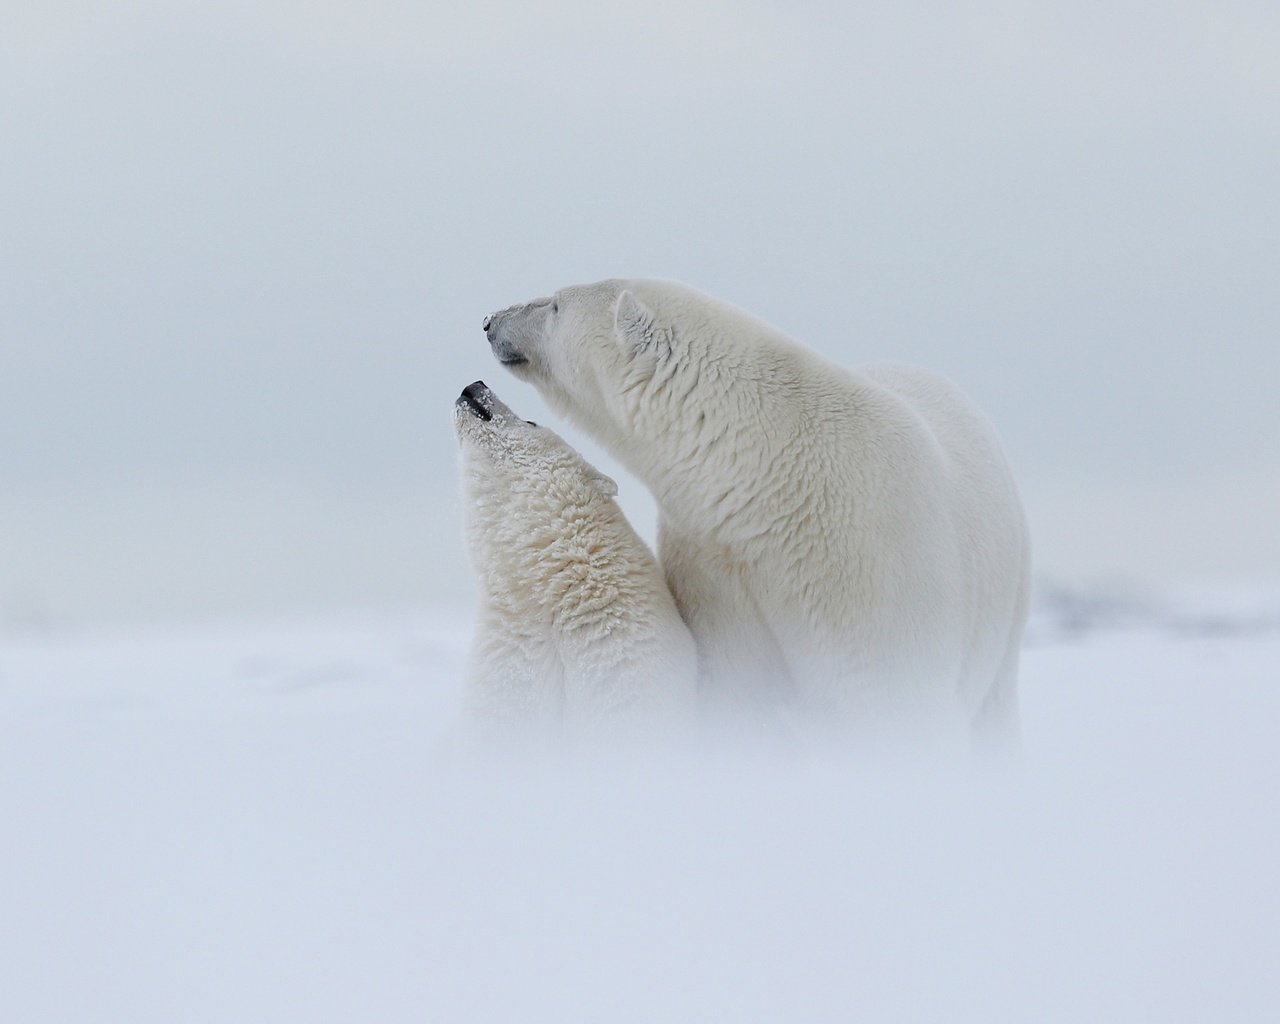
column 606, row 484
column 632, row 321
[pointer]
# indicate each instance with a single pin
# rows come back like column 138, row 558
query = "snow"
column 252, row 824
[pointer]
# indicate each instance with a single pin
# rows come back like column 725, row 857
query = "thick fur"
column 847, row 545
column 579, row 639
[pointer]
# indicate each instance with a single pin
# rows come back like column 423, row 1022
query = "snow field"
column 252, row 825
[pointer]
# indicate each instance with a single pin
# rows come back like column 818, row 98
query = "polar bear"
column 847, row 544
column 579, row 639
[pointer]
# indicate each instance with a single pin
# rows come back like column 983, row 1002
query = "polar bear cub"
column 578, row 638
column 846, row 543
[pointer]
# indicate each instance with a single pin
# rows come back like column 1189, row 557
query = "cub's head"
column 516, row 470
column 613, row 356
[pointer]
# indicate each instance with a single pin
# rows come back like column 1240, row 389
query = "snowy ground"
column 248, row 825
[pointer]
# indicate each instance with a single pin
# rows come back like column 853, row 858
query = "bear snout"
column 500, row 340
column 479, row 399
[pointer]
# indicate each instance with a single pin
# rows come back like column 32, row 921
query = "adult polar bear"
column 846, row 544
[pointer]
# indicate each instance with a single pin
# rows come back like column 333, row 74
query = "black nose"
column 478, row 399
column 487, row 321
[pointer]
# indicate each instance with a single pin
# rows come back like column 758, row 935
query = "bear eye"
column 531, row 423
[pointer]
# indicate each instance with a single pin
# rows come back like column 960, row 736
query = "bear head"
column 517, row 463
column 659, row 374
column 601, row 353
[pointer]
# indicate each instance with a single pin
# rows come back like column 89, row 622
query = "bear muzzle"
column 500, row 342
column 478, row 399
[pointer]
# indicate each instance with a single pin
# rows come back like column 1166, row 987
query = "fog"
column 256, row 823
column 246, row 251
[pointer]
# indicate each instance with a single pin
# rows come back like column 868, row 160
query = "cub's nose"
column 487, row 322
column 478, row 399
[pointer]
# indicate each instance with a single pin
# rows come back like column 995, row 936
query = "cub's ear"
column 632, row 321
column 605, row 484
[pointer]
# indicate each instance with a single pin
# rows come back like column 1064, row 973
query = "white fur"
column 579, row 638
column 847, row 545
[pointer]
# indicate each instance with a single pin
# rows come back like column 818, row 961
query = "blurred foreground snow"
column 249, row 825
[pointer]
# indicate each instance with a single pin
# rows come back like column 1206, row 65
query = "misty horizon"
column 248, row 252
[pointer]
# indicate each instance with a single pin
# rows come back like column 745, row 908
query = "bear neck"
column 553, row 556
column 711, row 438
column 710, row 461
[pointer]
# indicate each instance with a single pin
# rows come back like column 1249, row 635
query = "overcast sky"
column 245, row 250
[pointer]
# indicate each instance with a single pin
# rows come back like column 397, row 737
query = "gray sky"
column 245, row 252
